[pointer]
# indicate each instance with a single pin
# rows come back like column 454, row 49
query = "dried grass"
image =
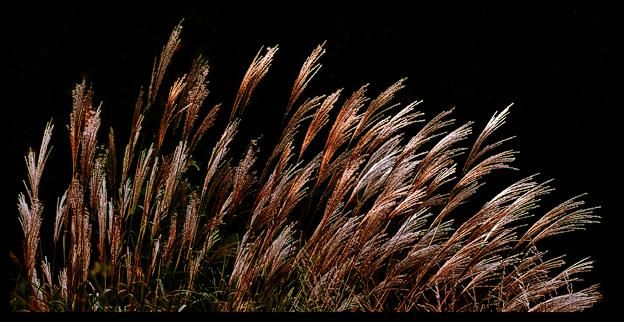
column 365, row 223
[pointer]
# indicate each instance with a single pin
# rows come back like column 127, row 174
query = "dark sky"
column 555, row 65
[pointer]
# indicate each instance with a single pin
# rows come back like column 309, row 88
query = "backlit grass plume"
column 361, row 205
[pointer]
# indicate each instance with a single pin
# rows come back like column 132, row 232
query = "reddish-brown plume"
column 360, row 205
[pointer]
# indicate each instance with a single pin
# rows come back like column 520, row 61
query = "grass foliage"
column 363, row 204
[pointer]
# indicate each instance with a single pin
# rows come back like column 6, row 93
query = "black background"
column 556, row 65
